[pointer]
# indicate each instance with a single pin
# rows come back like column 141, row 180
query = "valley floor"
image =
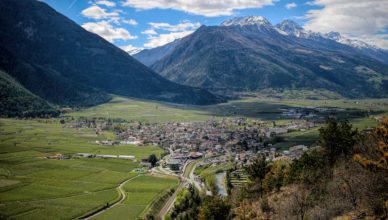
column 34, row 187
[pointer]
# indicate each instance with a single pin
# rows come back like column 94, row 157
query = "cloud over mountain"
column 107, row 31
column 207, row 8
column 364, row 19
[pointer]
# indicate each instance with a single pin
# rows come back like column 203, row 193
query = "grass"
column 140, row 194
column 35, row 188
column 262, row 108
column 307, row 138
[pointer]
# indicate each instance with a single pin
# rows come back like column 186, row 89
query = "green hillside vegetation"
column 16, row 101
column 35, row 188
column 48, row 84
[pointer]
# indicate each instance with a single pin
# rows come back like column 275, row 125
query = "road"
column 200, row 186
column 123, row 196
column 171, row 200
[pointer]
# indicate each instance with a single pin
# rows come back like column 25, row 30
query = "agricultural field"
column 238, row 178
column 36, row 188
column 140, row 192
column 258, row 108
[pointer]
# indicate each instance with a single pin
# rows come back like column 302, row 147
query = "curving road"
column 123, row 196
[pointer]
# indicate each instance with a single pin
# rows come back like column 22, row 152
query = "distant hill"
column 151, row 56
column 248, row 54
column 61, row 62
column 16, row 101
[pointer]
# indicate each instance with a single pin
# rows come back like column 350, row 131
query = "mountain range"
column 249, row 54
column 57, row 60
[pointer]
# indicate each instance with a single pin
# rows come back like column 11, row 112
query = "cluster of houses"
column 309, row 112
column 237, row 138
column 229, row 134
column 179, row 157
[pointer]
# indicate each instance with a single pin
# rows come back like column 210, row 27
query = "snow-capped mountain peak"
column 352, row 42
column 290, row 27
column 248, row 20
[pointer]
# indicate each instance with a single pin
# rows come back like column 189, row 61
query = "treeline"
column 191, row 204
column 346, row 176
column 16, row 101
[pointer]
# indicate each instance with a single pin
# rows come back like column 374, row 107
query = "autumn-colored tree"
column 380, row 163
column 275, row 178
column 381, row 150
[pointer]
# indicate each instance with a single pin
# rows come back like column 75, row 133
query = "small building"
column 174, row 164
column 106, row 156
column 195, row 155
column 86, row 155
column 128, row 157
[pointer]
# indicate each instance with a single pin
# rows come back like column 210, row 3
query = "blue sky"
column 137, row 24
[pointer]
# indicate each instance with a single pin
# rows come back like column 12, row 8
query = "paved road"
column 123, row 196
column 171, row 200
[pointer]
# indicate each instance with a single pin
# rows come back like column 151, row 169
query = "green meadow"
column 263, row 108
column 35, row 188
column 140, row 193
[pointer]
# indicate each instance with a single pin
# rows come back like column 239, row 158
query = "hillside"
column 61, row 62
column 251, row 55
column 151, row 56
column 345, row 178
column 16, row 101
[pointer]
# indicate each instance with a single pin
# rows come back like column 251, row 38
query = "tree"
column 214, row 208
column 381, row 151
column 337, row 139
column 152, row 159
column 257, row 171
column 300, row 202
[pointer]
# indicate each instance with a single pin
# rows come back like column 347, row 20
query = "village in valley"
column 218, row 140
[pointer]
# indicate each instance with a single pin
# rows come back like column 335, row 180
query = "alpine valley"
column 57, row 60
column 250, row 55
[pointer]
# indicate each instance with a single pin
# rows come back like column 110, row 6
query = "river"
column 221, row 183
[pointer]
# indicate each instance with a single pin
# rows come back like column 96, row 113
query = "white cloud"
column 149, row 32
column 176, row 31
column 359, row 18
column 130, row 21
column 163, row 39
column 107, row 31
column 131, row 49
column 291, row 5
column 379, row 40
column 96, row 12
column 207, row 8
column 106, row 3
column 179, row 27
column 115, row 20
